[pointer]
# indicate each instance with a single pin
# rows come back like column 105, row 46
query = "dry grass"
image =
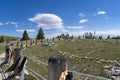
column 86, row 56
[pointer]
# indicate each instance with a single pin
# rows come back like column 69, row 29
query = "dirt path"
column 2, row 57
column 1, row 60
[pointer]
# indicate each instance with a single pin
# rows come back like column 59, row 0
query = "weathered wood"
column 56, row 67
column 17, row 55
column 7, row 53
column 23, row 44
column 7, row 56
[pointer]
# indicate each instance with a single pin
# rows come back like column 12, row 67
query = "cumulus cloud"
column 28, row 30
column 48, row 21
column 75, row 27
column 81, row 15
column 13, row 23
column 101, row 12
column 83, row 20
column 1, row 24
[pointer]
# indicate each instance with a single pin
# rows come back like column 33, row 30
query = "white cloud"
column 13, row 23
column 101, row 12
column 1, row 24
column 83, row 20
column 19, row 30
column 81, row 32
column 104, row 33
column 28, row 30
column 110, row 32
column 48, row 21
column 81, row 15
column 75, row 27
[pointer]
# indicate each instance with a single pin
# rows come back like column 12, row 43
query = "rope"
column 34, row 73
column 37, row 61
column 88, row 75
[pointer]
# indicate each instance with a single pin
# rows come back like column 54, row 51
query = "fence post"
column 7, row 53
column 22, row 68
column 17, row 54
column 57, row 68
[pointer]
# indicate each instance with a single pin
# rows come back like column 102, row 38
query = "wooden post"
column 7, row 57
column 57, row 68
column 17, row 54
column 7, row 53
column 22, row 68
column 21, row 44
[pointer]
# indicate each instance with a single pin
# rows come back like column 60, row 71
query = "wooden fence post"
column 7, row 57
column 22, row 68
column 7, row 53
column 17, row 55
column 57, row 68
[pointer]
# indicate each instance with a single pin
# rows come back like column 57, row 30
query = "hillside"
column 7, row 39
column 86, row 56
column 11, row 38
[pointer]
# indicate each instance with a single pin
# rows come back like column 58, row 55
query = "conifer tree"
column 25, row 36
column 40, row 34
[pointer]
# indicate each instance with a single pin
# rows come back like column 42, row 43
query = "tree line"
column 86, row 35
column 40, row 35
column 7, row 39
column 25, row 36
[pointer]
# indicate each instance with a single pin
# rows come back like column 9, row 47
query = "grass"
column 2, row 49
column 81, row 55
column 85, row 56
column 27, row 77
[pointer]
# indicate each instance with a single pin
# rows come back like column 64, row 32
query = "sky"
column 59, row 16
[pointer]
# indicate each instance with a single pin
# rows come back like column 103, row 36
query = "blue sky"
column 59, row 16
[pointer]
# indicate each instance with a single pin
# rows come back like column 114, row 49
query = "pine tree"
column 40, row 34
column 25, row 36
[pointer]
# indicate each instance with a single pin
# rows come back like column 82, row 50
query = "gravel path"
column 1, row 60
column 2, row 57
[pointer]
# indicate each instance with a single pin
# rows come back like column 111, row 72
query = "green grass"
column 27, row 77
column 2, row 49
column 75, row 53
